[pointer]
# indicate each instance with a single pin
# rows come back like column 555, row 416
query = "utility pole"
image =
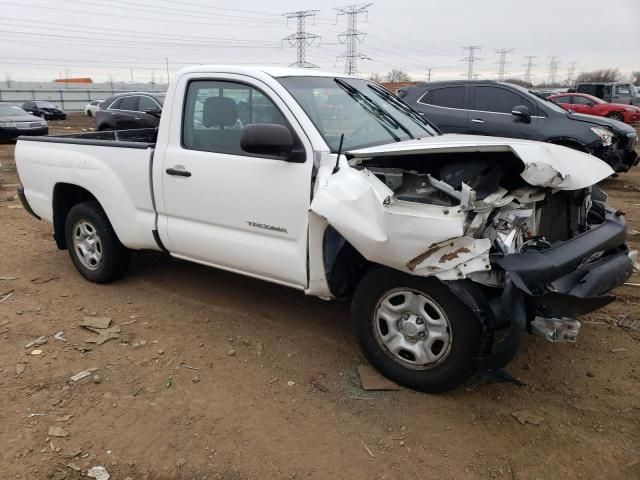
column 301, row 39
column 503, row 52
column 167, row 60
column 429, row 74
column 554, row 62
column 529, row 65
column 351, row 36
column 571, row 73
column 131, row 70
column 471, row 59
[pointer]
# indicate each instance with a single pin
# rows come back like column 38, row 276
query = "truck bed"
column 137, row 138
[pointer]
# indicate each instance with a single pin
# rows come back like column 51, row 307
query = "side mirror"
column 522, row 112
column 269, row 139
column 156, row 112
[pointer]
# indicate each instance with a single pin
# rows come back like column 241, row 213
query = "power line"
column 429, row 74
column 503, row 52
column 554, row 62
column 301, row 39
column 571, row 73
column 529, row 65
column 471, row 60
column 351, row 36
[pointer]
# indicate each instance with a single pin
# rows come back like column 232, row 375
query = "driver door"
column 222, row 206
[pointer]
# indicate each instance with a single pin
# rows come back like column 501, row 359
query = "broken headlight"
column 604, row 134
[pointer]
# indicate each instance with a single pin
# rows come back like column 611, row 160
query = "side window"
column 499, row 100
column 451, row 97
column 29, row 105
column 565, row 99
column 115, row 105
column 581, row 101
column 129, row 103
column 216, row 112
column 146, row 103
column 623, row 90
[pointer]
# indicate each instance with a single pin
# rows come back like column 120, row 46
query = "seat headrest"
column 219, row 112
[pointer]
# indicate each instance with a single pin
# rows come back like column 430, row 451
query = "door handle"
column 477, row 120
column 179, row 172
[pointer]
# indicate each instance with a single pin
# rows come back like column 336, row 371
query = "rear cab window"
column 449, row 97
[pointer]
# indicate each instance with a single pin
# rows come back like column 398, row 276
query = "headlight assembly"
column 604, row 134
column 7, row 124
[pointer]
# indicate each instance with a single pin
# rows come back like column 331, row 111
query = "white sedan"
column 91, row 107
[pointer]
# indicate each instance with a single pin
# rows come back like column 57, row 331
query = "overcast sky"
column 104, row 39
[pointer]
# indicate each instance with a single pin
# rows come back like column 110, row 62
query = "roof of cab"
column 275, row 72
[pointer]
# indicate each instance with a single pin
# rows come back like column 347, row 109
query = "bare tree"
column 635, row 77
column 602, row 75
column 375, row 77
column 397, row 76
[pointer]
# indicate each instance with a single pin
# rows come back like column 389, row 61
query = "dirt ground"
column 217, row 376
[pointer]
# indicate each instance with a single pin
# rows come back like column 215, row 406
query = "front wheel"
column 93, row 246
column 414, row 330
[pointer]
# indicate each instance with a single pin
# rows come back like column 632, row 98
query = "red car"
column 583, row 103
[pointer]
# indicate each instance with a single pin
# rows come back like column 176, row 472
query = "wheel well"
column 65, row 196
column 569, row 142
column 344, row 266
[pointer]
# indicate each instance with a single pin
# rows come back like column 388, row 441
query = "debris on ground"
column 37, row 342
column 20, row 368
column 371, row 379
column 525, row 416
column 317, row 382
column 96, row 322
column 184, row 365
column 99, row 473
column 35, row 352
column 57, row 431
column 60, row 336
column 7, row 278
column 104, row 334
column 6, row 295
column 367, row 448
column 231, row 352
column 73, row 466
column 83, row 374
column 181, row 462
column 64, row 418
column 618, row 350
column 97, row 379
column 39, row 281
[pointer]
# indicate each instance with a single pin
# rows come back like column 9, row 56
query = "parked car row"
column 14, row 121
column 583, row 103
column 507, row 110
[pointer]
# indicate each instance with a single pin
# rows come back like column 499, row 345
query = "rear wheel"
column 93, row 246
column 414, row 330
column 616, row 116
column 89, row 113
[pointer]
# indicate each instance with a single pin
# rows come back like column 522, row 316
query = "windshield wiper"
column 400, row 104
column 374, row 109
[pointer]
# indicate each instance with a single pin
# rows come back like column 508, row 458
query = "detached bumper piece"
column 573, row 278
column 620, row 159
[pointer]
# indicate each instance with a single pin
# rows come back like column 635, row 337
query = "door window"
column 129, row 103
column 582, row 101
column 623, row 90
column 216, row 112
column 451, row 97
column 147, row 103
column 498, row 100
column 115, row 105
column 565, row 99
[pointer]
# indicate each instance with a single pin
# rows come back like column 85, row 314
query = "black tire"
column 616, row 116
column 115, row 258
column 89, row 114
column 463, row 326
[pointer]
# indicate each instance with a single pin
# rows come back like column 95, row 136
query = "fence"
column 69, row 99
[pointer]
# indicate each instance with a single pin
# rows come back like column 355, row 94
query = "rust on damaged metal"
column 433, row 248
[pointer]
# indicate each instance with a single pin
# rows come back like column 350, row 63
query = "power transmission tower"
column 301, row 39
column 351, row 36
column 502, row 62
column 554, row 62
column 571, row 73
column 471, row 59
column 529, row 65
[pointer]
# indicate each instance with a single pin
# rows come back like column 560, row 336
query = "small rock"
column 618, row 350
column 524, row 416
column 195, row 379
column 35, row 352
column 591, row 375
column 181, row 462
column 97, row 379
column 56, row 431
column 246, row 342
column 232, row 352
column 527, row 366
column 291, row 383
column 160, row 352
column 20, row 368
column 99, row 473
column 64, row 418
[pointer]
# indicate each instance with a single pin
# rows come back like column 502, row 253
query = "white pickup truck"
column 334, row 186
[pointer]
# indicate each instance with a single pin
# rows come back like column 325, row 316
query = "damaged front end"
column 517, row 232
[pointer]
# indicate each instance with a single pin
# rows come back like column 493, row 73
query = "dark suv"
column 506, row 110
column 613, row 92
column 130, row 110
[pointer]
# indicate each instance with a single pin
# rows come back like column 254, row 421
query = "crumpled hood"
column 615, row 125
column 544, row 164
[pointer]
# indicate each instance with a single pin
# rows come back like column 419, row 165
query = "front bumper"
column 7, row 133
column 621, row 156
column 55, row 116
column 573, row 277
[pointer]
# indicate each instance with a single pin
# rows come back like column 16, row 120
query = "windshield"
column 548, row 103
column 7, row 110
column 45, row 105
column 363, row 111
